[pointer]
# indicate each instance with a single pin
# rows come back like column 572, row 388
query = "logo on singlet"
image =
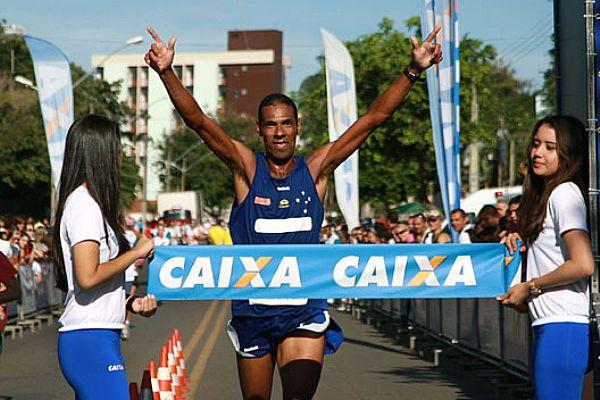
column 284, row 203
column 283, row 188
column 249, row 349
column 115, row 367
column 263, row 201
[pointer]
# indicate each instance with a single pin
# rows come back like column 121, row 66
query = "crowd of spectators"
column 490, row 225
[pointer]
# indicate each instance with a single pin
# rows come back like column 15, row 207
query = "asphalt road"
column 368, row 366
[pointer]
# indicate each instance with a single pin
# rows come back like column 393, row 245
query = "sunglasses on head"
column 401, row 232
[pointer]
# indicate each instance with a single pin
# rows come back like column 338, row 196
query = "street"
column 368, row 366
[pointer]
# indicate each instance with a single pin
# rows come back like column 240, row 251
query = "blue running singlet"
column 277, row 211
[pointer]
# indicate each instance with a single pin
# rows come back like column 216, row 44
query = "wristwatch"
column 534, row 291
column 412, row 77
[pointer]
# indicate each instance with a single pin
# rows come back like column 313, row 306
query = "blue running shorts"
column 560, row 360
column 254, row 337
column 91, row 362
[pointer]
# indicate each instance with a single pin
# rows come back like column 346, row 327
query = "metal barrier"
column 38, row 299
column 481, row 327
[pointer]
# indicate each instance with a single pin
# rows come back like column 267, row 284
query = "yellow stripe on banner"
column 206, row 351
column 507, row 261
column 418, row 280
column 248, row 276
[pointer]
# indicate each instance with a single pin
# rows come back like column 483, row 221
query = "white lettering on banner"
column 166, row 272
column 346, row 272
column 287, row 273
column 339, row 271
column 374, row 273
column 249, row 264
column 461, row 271
column 425, row 265
column 225, row 272
column 399, row 270
column 200, row 274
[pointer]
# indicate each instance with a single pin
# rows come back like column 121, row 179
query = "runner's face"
column 279, row 129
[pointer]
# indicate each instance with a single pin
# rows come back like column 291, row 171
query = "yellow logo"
column 284, row 203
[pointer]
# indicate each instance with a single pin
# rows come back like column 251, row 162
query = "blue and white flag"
column 341, row 113
column 53, row 81
column 443, row 88
column 338, row 271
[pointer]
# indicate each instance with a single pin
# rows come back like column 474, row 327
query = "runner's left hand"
column 426, row 54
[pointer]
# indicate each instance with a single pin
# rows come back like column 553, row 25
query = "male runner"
column 278, row 199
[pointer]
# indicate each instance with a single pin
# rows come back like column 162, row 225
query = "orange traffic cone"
column 133, row 391
column 173, row 370
column 146, row 386
column 164, row 377
column 181, row 357
column 154, row 380
column 177, row 355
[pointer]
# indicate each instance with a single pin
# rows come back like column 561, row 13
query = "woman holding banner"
column 552, row 225
column 91, row 254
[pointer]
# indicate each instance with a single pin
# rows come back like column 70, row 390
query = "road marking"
column 199, row 332
column 206, row 351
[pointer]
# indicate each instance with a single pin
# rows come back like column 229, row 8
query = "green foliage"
column 203, row 170
column 25, row 166
column 397, row 160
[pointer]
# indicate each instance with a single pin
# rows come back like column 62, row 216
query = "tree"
column 397, row 161
column 25, row 167
column 205, row 171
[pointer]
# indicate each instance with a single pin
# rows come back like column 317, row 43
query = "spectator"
column 161, row 238
column 420, row 227
column 513, row 207
column 487, row 227
column 501, row 207
column 401, row 234
column 460, row 223
column 9, row 290
column 437, row 232
column 219, row 234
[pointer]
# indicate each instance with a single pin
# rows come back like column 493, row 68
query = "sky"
column 520, row 29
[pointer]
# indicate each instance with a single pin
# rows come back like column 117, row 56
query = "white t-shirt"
column 6, row 248
column 103, row 306
column 565, row 211
column 131, row 271
column 463, row 236
column 161, row 241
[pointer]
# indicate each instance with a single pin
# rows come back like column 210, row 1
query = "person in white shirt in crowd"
column 131, row 274
column 552, row 224
column 421, row 232
column 460, row 223
column 91, row 255
column 161, row 238
column 436, row 234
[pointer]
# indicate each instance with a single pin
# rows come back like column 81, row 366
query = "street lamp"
column 26, row 82
column 129, row 42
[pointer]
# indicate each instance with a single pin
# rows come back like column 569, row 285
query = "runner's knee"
column 300, row 379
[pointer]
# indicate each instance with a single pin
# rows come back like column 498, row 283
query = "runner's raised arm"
column 238, row 157
column 326, row 158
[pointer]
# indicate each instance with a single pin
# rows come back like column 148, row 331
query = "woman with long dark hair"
column 552, row 224
column 90, row 256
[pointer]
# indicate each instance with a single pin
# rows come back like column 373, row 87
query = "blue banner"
column 337, row 271
column 53, row 81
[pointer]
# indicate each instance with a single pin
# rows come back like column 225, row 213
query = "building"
column 233, row 80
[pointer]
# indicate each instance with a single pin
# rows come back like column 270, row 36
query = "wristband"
column 129, row 304
column 412, row 77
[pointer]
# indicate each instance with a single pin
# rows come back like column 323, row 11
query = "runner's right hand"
column 160, row 56
column 144, row 247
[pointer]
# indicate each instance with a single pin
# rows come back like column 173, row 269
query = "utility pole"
column 502, row 135
column 183, row 170
column 169, row 169
column 145, row 181
column 474, row 145
column 512, row 170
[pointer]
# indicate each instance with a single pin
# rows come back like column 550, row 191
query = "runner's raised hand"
column 160, row 56
column 426, row 54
